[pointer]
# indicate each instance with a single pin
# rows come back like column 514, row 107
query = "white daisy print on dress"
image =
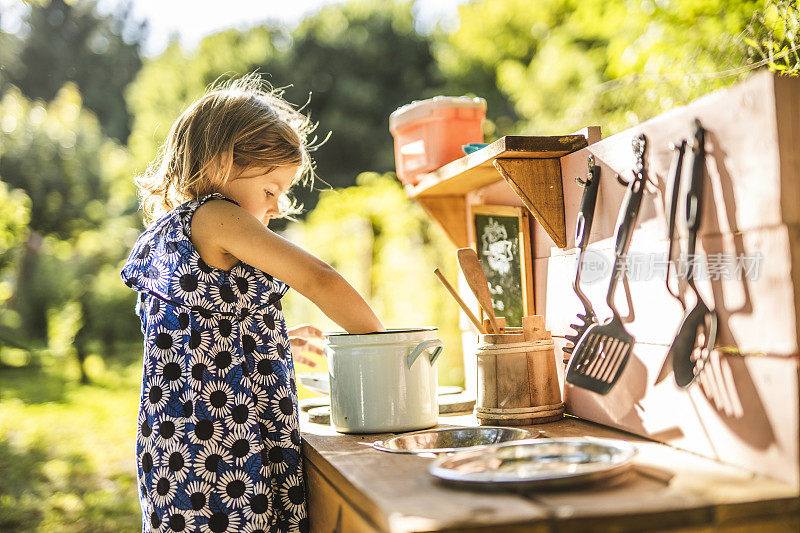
column 234, row 486
column 155, row 521
column 185, row 286
column 276, row 459
column 265, row 371
column 156, row 309
column 282, row 407
column 169, row 430
column 176, row 459
column 289, row 437
column 172, row 370
column 199, row 341
column 223, row 330
column 207, row 431
column 176, row 519
column 186, row 401
column 249, row 344
column 143, row 255
column 204, row 272
column 243, row 412
column 266, row 429
column 200, row 370
column 211, row 461
column 205, row 318
column 256, row 527
column 163, row 342
column 155, row 395
column 222, row 295
column 274, row 340
column 218, row 397
column 199, row 493
column 267, row 323
column 163, row 487
column 183, row 320
column 244, row 287
column 299, row 522
column 259, row 505
column 242, row 444
column 224, row 358
column 148, row 458
column 218, row 521
column 260, row 396
column 282, row 346
column 145, row 434
column 292, row 494
column 152, row 279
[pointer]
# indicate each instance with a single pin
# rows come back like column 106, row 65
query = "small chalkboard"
column 502, row 240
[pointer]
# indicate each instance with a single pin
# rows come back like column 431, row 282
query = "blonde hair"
column 235, row 125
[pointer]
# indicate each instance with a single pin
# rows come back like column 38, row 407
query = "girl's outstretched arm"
column 223, row 228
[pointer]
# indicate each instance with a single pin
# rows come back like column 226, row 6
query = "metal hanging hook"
column 593, row 169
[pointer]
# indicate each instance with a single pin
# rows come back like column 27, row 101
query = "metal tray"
column 536, row 464
column 449, row 440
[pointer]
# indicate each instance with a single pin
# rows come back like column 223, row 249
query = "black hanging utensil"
column 601, row 354
column 671, row 209
column 673, row 188
column 583, row 227
column 697, row 334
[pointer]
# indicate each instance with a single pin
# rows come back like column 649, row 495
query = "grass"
column 67, row 451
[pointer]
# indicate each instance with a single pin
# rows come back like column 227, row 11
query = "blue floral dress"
column 218, row 442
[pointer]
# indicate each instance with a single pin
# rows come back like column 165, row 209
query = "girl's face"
column 257, row 189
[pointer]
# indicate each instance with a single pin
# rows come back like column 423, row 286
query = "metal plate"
column 449, row 440
column 536, row 464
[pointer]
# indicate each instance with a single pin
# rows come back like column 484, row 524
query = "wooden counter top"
column 353, row 488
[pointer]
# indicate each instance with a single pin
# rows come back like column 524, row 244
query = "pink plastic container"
column 430, row 133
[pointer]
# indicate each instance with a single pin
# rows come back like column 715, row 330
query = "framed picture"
column 503, row 243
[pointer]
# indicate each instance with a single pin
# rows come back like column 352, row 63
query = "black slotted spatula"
column 601, row 354
column 583, row 227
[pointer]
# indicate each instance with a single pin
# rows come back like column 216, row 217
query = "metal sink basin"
column 450, row 440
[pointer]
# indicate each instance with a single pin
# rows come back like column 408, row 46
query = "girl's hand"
column 300, row 338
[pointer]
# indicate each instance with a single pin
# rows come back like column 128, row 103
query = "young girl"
column 218, row 443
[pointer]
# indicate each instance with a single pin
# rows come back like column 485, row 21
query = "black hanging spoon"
column 697, row 334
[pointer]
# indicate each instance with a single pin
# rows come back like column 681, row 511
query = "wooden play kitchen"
column 679, row 331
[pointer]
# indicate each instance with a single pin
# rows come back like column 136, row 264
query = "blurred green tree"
column 9, row 55
column 82, row 219
column 71, row 41
column 166, row 85
column 772, row 36
column 14, row 216
column 357, row 62
column 567, row 63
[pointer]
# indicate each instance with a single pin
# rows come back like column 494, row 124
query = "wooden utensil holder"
column 517, row 377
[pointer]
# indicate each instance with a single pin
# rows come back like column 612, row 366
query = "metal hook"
column 590, row 174
column 622, row 181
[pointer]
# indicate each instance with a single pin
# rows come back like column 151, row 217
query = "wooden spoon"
column 460, row 302
column 476, row 278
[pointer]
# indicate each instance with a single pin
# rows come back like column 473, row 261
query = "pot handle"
column 421, row 347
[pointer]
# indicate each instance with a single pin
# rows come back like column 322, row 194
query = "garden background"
column 82, row 110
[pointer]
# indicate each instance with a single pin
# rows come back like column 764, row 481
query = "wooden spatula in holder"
column 517, row 377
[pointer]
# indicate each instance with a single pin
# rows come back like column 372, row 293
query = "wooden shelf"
column 530, row 165
column 477, row 169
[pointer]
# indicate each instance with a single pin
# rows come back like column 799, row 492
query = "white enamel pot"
column 383, row 382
